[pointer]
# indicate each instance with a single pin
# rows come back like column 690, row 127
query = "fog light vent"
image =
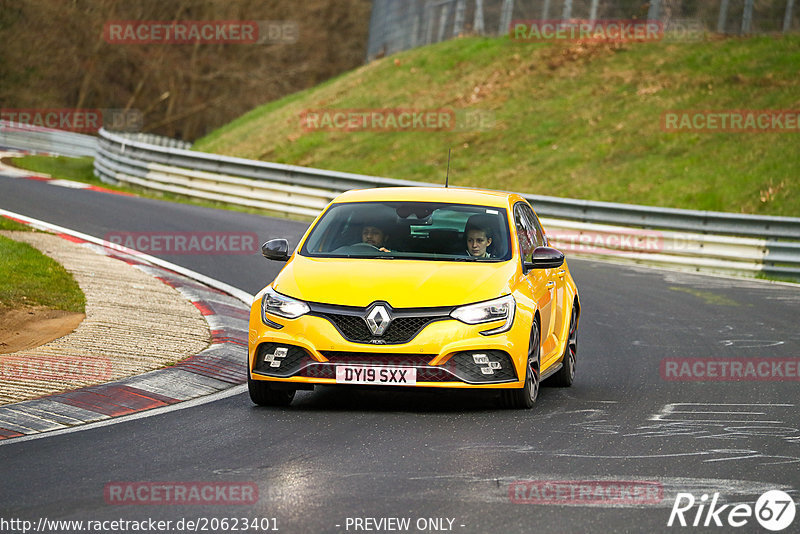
column 274, row 359
column 277, row 359
column 483, row 366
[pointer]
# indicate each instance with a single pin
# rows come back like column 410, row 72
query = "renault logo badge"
column 378, row 320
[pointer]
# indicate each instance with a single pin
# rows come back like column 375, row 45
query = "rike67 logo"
column 774, row 510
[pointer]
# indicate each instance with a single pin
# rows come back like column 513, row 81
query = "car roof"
column 455, row 195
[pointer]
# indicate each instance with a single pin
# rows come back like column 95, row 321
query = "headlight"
column 485, row 312
column 282, row 306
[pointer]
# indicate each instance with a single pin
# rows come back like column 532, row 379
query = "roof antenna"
column 447, row 177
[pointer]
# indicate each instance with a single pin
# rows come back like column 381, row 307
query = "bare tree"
column 54, row 55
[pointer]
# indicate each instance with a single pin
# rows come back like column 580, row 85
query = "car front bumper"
column 445, row 353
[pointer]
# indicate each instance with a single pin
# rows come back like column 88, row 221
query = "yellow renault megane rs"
column 416, row 287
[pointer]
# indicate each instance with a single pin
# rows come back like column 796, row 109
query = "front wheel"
column 263, row 394
column 566, row 375
column 526, row 396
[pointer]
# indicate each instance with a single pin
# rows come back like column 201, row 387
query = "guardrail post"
column 566, row 14
column 377, row 30
column 458, row 24
column 429, row 22
column 505, row 17
column 418, row 22
column 722, row 20
column 747, row 17
column 478, row 23
column 444, row 14
column 593, row 10
column 787, row 17
column 653, row 13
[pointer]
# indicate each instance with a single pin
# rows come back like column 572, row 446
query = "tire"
column 525, row 397
column 262, row 394
column 566, row 375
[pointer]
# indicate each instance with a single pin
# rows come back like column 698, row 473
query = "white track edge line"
column 191, row 403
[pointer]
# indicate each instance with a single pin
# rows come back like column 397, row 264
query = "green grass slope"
column 29, row 278
column 570, row 120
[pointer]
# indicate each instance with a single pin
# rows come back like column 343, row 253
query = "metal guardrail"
column 683, row 250
column 696, row 240
column 37, row 139
column 64, row 143
column 669, row 218
column 158, row 140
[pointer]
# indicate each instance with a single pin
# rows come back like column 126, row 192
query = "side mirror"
column 276, row 249
column 545, row 258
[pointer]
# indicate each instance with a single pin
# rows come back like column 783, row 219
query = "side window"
column 539, row 238
column 529, row 231
column 526, row 233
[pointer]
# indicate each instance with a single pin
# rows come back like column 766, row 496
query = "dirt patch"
column 558, row 57
column 27, row 328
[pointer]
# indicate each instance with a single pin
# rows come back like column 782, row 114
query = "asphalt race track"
column 450, row 457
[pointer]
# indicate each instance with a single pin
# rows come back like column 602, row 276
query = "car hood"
column 401, row 283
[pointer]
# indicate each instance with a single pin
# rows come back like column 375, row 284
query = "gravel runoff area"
column 131, row 318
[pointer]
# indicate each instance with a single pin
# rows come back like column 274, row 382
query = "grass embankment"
column 29, row 278
column 580, row 121
column 78, row 169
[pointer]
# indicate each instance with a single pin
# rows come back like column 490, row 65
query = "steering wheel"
column 362, row 244
column 356, row 248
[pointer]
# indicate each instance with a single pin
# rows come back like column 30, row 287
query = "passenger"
column 478, row 240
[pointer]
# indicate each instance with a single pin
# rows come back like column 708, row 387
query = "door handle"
column 549, row 284
column 561, row 273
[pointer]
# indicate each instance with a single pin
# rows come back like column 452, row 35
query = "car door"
column 542, row 288
column 561, row 306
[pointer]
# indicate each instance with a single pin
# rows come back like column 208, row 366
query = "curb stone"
column 220, row 366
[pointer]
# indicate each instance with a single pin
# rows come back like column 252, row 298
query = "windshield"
column 411, row 230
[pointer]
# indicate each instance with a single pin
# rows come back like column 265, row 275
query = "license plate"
column 385, row 376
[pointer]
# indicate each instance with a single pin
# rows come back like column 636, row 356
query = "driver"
column 375, row 236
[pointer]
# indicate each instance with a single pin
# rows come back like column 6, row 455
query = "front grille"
column 405, row 325
column 318, row 370
column 461, row 367
column 370, row 358
column 401, row 330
